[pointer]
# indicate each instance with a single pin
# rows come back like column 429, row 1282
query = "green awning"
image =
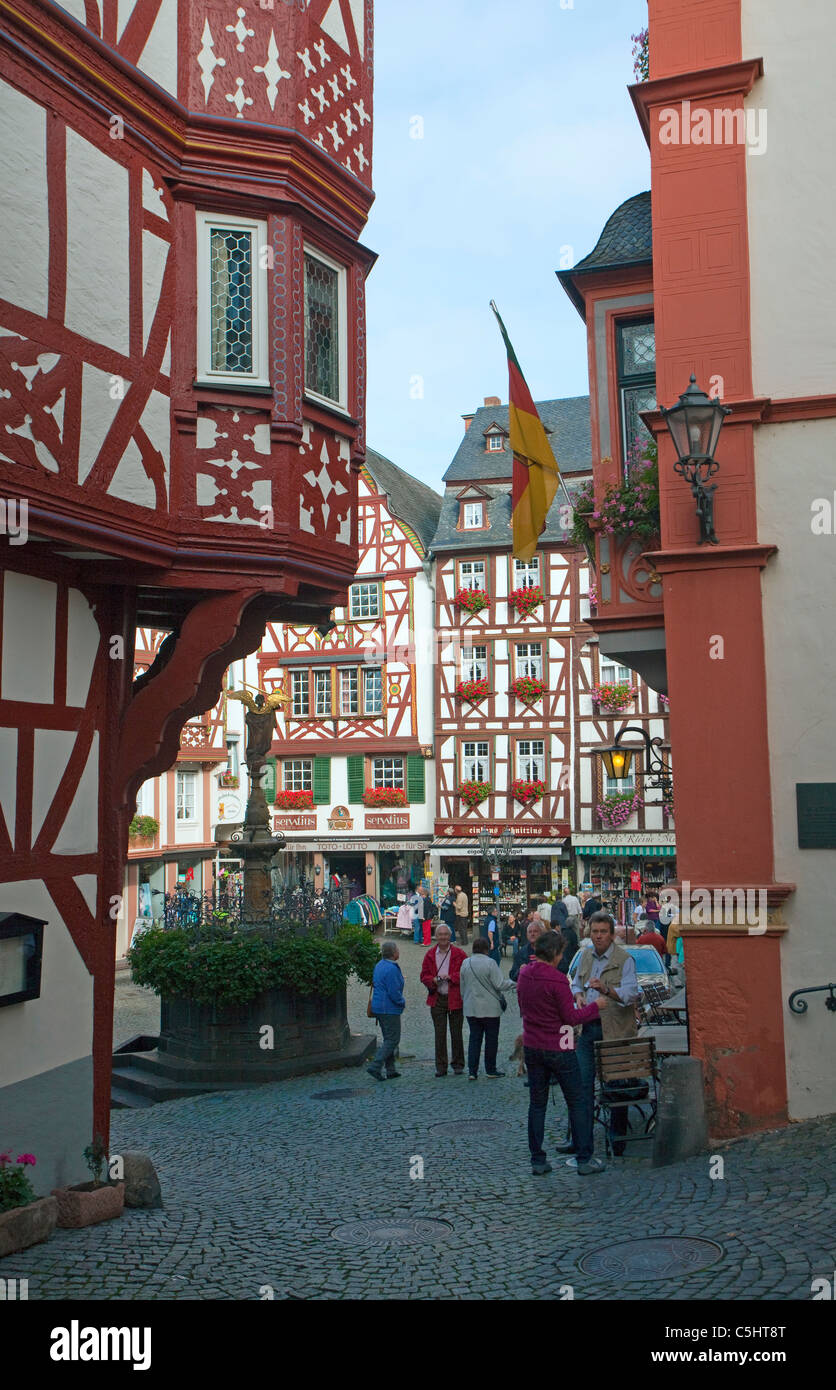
column 627, row 851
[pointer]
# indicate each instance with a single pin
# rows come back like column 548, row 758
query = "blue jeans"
column 590, row 1035
column 390, row 1027
column 487, row 1028
column 564, row 1066
column 418, row 931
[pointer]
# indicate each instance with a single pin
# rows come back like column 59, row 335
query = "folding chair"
column 627, row 1074
column 651, row 997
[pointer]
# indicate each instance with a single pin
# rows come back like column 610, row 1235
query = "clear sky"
column 530, row 141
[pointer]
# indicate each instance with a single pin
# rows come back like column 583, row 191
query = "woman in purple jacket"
column 549, row 1020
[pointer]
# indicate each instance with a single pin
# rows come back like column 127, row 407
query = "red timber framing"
column 712, row 595
column 196, row 508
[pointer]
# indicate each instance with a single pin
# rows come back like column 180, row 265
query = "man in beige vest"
column 462, row 910
column 605, row 970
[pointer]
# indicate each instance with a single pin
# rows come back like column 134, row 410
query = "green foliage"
column 145, row 826
column 95, row 1156
column 233, row 969
column 15, row 1188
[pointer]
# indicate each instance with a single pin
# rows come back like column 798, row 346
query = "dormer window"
column 473, row 516
column 495, row 443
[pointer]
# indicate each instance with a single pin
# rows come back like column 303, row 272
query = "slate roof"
column 407, row 498
column 567, row 419
column 498, row 536
column 626, row 240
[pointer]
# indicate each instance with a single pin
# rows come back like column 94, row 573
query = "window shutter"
column 321, row 780
column 356, row 777
column 416, row 791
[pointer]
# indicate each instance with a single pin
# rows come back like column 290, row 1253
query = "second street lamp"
column 694, row 424
column 618, row 760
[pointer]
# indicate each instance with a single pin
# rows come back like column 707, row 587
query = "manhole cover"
column 454, row 1128
column 408, row 1232
column 340, row 1094
column 656, row 1257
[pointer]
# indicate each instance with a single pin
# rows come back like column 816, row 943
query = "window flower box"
column 228, row 781
column 614, row 695
column 527, row 792
column 527, row 689
column 473, row 600
column 473, row 793
column 472, row 690
column 629, row 509
column 142, row 832
column 526, row 600
column 616, row 810
column 294, row 801
column 384, row 796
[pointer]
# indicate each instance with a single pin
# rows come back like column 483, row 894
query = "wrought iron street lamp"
column 694, row 424
column 618, row 761
column 496, row 854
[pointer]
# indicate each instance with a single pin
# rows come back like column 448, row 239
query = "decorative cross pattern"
column 232, row 465
column 325, row 486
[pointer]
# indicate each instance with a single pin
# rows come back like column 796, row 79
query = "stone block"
column 142, row 1186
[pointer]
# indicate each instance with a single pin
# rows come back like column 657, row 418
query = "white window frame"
column 473, row 516
column 297, row 770
column 321, row 685
column 301, row 680
column 393, row 768
column 624, row 786
column 471, row 762
column 525, row 663
column 185, row 791
column 355, row 590
column 342, row 328
column 344, row 674
column 470, row 581
column 369, row 672
column 536, row 770
column 495, row 443
column 475, row 668
column 260, row 374
column 621, row 674
column 526, row 573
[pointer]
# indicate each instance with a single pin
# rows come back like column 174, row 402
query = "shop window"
column 636, row 364
column 232, row 301
column 297, row 775
column 349, row 692
column 476, row 763
column 325, row 329
column 531, row 760
column 372, row 690
column 364, row 602
column 526, row 573
column 528, row 660
column 388, row 772
column 186, row 796
column 471, row 574
column 474, row 663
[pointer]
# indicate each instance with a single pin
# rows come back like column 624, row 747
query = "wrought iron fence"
column 300, row 909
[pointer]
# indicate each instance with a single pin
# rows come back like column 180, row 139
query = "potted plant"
column 615, row 810
column 472, row 793
column 527, row 792
column 473, row 690
column 142, row 831
column 25, row 1219
column 528, row 689
column 614, row 695
column 88, row 1203
column 641, row 55
column 526, row 600
column 384, row 796
column 294, row 801
column 472, row 600
column 228, row 781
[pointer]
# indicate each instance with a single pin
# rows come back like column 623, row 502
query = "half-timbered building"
column 182, row 383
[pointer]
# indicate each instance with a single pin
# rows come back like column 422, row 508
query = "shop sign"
column 388, row 822
column 298, row 822
column 624, row 837
column 542, row 831
column 229, row 808
column 340, row 819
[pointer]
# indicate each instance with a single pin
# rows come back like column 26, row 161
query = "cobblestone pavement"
column 256, row 1182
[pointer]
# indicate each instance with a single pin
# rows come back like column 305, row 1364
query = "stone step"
column 147, row 1088
column 123, row 1099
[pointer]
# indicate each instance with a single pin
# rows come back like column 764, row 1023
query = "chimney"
column 492, row 400
column 468, row 421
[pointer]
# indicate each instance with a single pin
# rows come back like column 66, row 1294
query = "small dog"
column 518, row 1056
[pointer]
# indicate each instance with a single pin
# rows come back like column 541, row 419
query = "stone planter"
column 136, row 842
column 303, row 1025
column 88, row 1203
column 29, row 1225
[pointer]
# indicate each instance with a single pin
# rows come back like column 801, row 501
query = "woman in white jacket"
column 483, row 988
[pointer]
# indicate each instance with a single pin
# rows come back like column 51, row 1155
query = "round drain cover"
column 467, row 1128
column 407, row 1232
column 656, row 1257
column 340, row 1094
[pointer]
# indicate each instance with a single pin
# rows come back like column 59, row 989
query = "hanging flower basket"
column 614, row 695
column 615, row 810
column 472, row 793
column 472, row 690
column 294, row 801
column 527, row 792
column 384, row 796
column 473, row 600
column 228, row 781
column 527, row 689
column 526, row 600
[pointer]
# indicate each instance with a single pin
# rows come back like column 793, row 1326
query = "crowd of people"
column 562, row 1018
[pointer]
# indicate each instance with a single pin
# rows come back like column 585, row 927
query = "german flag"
column 535, row 472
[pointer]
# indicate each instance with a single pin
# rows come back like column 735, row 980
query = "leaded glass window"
column 231, row 271
column 322, row 328
column 636, row 380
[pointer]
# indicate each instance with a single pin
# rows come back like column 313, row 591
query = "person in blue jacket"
column 388, row 1004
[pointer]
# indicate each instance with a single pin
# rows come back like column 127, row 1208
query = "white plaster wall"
column 98, row 280
column 792, row 198
column 795, row 465
column 24, row 219
column 58, row 1027
column 28, row 669
column 422, row 597
column 158, row 59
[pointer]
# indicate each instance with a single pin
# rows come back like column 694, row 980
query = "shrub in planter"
column 384, row 796
column 472, row 793
column 472, row 600
column 473, row 690
column 24, row 1218
column 294, row 801
column 144, row 827
column 88, row 1203
column 527, row 792
column 527, row 689
column 526, row 600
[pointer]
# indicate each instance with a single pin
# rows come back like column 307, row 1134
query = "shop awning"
column 530, row 849
column 628, row 851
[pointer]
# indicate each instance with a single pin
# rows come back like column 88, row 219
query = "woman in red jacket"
column 440, row 973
